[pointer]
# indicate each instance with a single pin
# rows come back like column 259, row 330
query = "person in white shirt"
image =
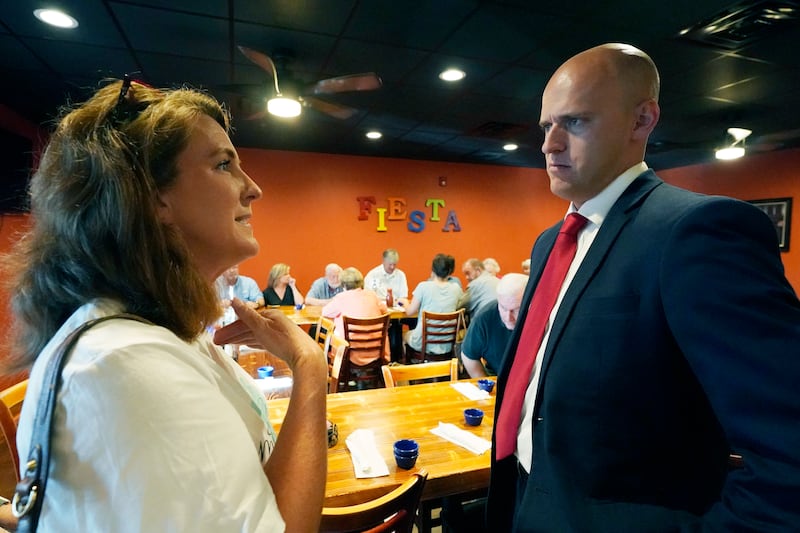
column 155, row 428
column 388, row 276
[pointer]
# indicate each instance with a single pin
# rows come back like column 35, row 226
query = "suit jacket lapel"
column 623, row 210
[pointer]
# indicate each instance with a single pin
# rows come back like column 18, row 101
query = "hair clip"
column 123, row 91
column 127, row 108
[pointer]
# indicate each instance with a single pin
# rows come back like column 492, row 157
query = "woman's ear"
column 163, row 208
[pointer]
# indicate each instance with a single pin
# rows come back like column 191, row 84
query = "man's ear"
column 647, row 114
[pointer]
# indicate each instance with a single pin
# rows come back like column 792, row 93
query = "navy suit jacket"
column 677, row 343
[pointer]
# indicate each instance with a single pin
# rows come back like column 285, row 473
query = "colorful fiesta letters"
column 397, row 210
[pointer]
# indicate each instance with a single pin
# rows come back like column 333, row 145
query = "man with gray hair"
column 387, row 276
column 325, row 288
column 490, row 330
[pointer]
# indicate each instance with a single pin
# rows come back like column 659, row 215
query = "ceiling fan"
column 764, row 142
column 289, row 105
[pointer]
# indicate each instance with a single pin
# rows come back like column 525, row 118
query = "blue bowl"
column 473, row 417
column 486, row 384
column 406, row 448
column 405, row 462
column 265, row 371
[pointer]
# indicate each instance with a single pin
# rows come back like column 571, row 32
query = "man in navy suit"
column 674, row 342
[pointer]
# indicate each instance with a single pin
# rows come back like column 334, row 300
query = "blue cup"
column 406, row 452
column 406, row 447
column 486, row 384
column 298, row 307
column 473, row 417
column 265, row 371
column 405, row 462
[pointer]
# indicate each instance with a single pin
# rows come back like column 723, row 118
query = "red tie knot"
column 573, row 224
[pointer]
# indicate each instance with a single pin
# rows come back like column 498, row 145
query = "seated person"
column 231, row 285
column 281, row 287
column 481, row 287
column 357, row 302
column 490, row 330
column 526, row 267
column 491, row 266
column 437, row 295
column 325, row 288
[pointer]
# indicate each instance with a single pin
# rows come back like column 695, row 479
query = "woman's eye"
column 223, row 165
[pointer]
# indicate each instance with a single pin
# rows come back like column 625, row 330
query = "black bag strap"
column 29, row 494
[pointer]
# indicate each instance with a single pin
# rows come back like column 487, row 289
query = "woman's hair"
column 95, row 227
column 443, row 265
column 351, row 278
column 275, row 273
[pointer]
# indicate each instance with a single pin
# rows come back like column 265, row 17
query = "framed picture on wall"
column 779, row 210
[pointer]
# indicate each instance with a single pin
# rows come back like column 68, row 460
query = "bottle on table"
column 389, row 298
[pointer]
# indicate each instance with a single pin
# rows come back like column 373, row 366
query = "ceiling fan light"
column 739, row 133
column 281, row 106
column 374, row 135
column 452, row 74
column 730, row 152
column 510, row 147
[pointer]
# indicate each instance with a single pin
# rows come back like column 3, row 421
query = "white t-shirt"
column 152, row 434
column 377, row 280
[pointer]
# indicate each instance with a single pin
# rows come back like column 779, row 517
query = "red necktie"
column 544, row 298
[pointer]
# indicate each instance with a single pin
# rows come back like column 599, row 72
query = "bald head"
column 598, row 110
column 630, row 67
column 509, row 297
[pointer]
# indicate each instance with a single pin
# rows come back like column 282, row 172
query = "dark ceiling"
column 749, row 76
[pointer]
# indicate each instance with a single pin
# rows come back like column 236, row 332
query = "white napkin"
column 470, row 390
column 463, row 438
column 367, row 462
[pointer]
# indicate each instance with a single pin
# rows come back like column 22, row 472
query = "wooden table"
column 399, row 413
column 310, row 314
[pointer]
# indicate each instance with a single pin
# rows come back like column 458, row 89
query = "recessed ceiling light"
column 374, row 135
column 56, row 18
column 510, row 147
column 452, row 74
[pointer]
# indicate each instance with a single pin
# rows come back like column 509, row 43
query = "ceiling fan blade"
column 368, row 81
column 334, row 110
column 260, row 59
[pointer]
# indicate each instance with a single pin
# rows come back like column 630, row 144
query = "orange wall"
column 308, row 216
column 757, row 176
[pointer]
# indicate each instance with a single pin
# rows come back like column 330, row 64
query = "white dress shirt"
column 596, row 211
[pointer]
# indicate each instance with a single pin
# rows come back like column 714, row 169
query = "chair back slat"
column 366, row 338
column 394, row 374
column 325, row 328
column 440, row 329
column 394, row 511
column 336, row 355
column 10, row 405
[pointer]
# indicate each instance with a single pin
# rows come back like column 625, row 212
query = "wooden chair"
column 324, row 330
column 438, row 329
column 394, row 511
column 336, row 353
column 10, row 405
column 367, row 336
column 394, row 374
